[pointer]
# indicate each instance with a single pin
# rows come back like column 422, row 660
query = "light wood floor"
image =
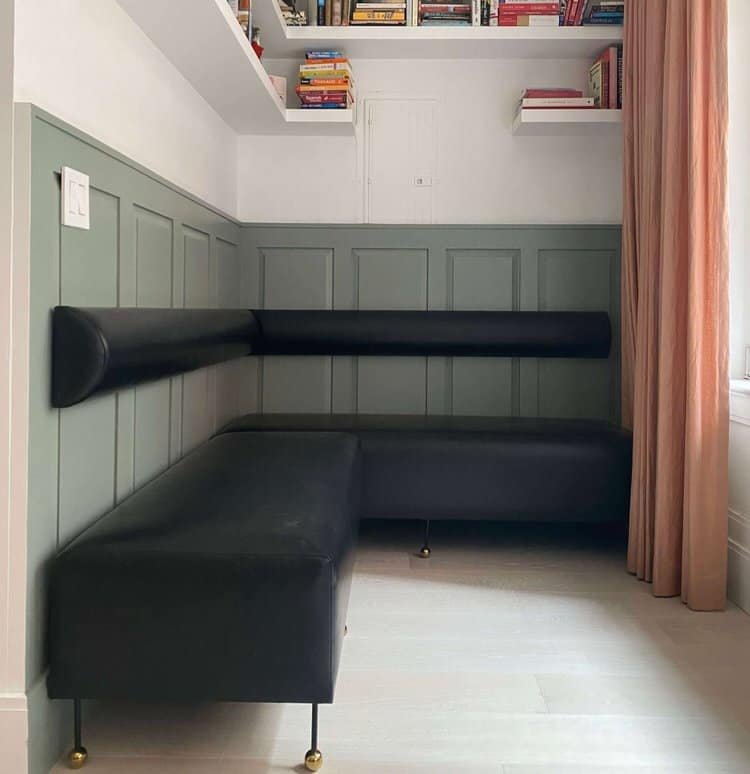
column 513, row 650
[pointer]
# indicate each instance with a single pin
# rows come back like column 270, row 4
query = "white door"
column 400, row 160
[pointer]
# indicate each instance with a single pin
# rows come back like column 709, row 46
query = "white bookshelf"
column 282, row 42
column 202, row 39
column 551, row 122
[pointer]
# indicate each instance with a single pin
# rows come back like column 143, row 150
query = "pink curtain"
column 675, row 295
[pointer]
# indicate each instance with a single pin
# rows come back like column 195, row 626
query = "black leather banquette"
column 227, row 577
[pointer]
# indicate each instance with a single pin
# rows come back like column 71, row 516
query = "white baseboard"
column 738, row 584
column 14, row 730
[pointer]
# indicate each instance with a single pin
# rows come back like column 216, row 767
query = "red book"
column 312, row 99
column 612, row 77
column 530, row 8
column 541, row 93
column 337, row 60
column 571, row 11
column 578, row 20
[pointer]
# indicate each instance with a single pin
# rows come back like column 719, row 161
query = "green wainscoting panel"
column 436, row 267
column 150, row 244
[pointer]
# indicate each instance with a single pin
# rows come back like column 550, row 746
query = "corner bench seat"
column 226, row 578
column 454, row 467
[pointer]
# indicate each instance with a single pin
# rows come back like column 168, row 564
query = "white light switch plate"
column 75, row 198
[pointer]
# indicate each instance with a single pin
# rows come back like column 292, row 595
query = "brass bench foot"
column 77, row 758
column 313, row 760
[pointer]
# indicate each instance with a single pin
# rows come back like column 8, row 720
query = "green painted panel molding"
column 152, row 244
column 525, row 268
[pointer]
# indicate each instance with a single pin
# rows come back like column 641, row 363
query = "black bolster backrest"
column 499, row 334
column 97, row 350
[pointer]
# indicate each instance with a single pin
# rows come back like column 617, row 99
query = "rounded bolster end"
column 79, row 356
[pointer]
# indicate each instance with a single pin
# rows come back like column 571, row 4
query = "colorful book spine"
column 328, row 56
column 433, row 8
column 552, row 92
column 324, row 82
column 378, row 16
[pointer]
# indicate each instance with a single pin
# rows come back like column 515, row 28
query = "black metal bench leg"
column 424, row 552
column 78, row 755
column 313, row 757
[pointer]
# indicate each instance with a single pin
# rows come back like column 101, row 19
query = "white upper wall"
column 739, row 182
column 88, row 63
column 483, row 173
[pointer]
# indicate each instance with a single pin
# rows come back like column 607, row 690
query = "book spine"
column 612, row 65
column 579, row 13
column 476, row 13
column 378, row 16
column 325, row 64
column 570, row 12
column 530, row 8
column 324, row 82
column 552, row 94
column 243, row 16
column 445, row 8
column 523, row 20
column 534, row 102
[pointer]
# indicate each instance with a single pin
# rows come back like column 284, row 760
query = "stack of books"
column 435, row 13
column 604, row 88
column 527, row 13
column 379, row 12
column 554, row 98
column 577, row 12
column 325, row 81
column 241, row 11
column 292, row 17
column 605, row 79
column 333, row 13
column 604, row 12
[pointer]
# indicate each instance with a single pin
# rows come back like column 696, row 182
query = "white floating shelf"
column 550, row 122
column 282, row 42
column 203, row 40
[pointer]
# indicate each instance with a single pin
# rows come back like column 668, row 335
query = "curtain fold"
column 675, row 300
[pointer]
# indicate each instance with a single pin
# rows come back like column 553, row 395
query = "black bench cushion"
column 226, row 578
column 448, row 467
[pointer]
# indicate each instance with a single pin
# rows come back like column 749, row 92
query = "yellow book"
column 324, row 74
column 379, row 16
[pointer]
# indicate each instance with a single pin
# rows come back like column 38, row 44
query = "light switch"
column 423, row 181
column 75, row 198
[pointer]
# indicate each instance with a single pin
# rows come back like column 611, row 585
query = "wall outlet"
column 75, row 199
